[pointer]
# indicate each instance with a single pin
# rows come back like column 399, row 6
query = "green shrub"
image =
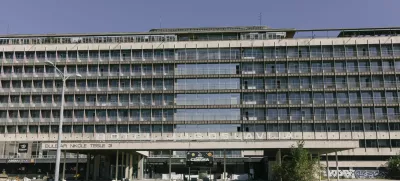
column 394, row 167
column 297, row 166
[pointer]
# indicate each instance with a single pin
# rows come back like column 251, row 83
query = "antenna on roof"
column 260, row 18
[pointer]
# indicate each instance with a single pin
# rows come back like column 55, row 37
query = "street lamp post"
column 64, row 77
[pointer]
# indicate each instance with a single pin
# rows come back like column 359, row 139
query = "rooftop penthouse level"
column 195, row 34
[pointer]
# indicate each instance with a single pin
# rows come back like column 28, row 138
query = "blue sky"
column 73, row 16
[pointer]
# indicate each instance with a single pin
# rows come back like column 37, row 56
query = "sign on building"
column 23, row 148
column 199, row 159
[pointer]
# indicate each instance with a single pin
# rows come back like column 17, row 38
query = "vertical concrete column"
column 251, row 169
column 210, row 174
column 170, row 162
column 123, row 165
column 111, row 172
column 96, row 167
column 4, row 148
column 127, row 166
column 106, row 170
column 327, row 167
column 224, row 174
column 87, row 167
column 116, row 166
column 337, row 166
column 140, row 167
column 130, row 166
column 189, row 174
column 279, row 159
column 77, row 166
column 65, row 160
column 319, row 167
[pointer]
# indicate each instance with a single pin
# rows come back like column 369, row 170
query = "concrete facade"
column 242, row 92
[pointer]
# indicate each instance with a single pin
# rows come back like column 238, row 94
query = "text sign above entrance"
column 79, row 146
column 199, row 145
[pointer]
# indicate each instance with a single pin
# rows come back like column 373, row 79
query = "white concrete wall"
column 203, row 44
column 203, row 136
column 144, row 153
column 369, row 151
column 368, row 164
column 252, row 152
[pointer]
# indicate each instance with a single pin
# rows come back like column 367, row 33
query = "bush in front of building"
column 299, row 165
column 393, row 167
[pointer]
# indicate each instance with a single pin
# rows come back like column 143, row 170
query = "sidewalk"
column 359, row 179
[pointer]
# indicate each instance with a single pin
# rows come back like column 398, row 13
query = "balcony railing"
column 293, row 68
column 210, row 56
column 201, row 117
column 221, row 117
column 258, row 99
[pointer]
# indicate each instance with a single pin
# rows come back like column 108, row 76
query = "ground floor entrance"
column 86, row 169
column 236, row 170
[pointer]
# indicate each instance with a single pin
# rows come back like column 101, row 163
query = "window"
column 53, row 129
column 144, row 129
column 367, row 113
column 89, row 128
column 67, row 129
column 111, row 128
column 316, row 67
column 357, row 127
column 351, row 66
column 133, row 128
column 78, row 129
column 156, row 128
column 391, row 97
column 22, row 129
column 122, row 128
column 355, row 113
column 44, row 129
column 281, row 68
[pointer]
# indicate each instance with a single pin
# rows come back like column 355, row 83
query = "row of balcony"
column 283, row 117
column 205, row 71
column 190, row 55
column 209, row 101
column 82, row 119
column 84, row 74
column 204, row 86
column 279, row 85
column 290, row 101
column 94, row 88
column 84, row 104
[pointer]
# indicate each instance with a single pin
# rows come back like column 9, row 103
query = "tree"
column 394, row 167
column 297, row 166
